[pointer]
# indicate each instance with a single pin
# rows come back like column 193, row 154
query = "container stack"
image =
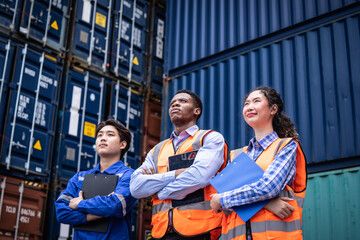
column 307, row 50
column 65, row 66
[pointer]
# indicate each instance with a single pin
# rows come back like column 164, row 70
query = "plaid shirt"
column 279, row 173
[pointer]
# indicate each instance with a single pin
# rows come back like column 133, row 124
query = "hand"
column 280, row 207
column 147, row 172
column 179, row 171
column 91, row 217
column 75, row 201
column 215, row 202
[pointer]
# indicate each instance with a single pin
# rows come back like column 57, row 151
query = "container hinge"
column 18, row 145
column 86, row 155
column 7, row 7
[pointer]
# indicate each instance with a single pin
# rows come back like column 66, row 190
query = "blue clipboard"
column 241, row 171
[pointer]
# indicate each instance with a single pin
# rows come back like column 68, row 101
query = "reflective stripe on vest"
column 163, row 206
column 166, row 206
column 264, row 224
column 260, row 227
column 186, row 216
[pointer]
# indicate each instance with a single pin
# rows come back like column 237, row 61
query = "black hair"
column 282, row 124
column 124, row 133
column 195, row 97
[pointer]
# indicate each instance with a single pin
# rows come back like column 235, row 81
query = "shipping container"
column 22, row 208
column 332, row 205
column 10, row 14
column 129, row 38
column 127, row 108
column 110, row 36
column 6, row 56
column 46, row 21
column 82, row 109
column 30, row 114
column 157, row 68
column 92, row 32
column 198, row 29
column 316, row 70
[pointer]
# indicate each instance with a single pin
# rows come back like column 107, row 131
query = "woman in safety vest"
column 276, row 150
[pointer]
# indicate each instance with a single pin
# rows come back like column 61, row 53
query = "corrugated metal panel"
column 197, row 29
column 83, row 108
column 317, row 73
column 332, row 205
column 30, row 118
column 45, row 21
column 23, row 208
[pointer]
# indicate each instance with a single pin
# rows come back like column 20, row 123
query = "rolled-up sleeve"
column 279, row 173
column 146, row 185
column 207, row 163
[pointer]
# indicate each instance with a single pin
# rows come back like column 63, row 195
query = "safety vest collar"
column 196, row 145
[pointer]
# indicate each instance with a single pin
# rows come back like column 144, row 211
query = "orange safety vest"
column 191, row 219
column 265, row 224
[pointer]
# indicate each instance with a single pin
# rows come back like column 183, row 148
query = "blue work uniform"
column 116, row 206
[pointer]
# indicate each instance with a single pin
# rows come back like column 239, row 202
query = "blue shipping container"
column 6, row 58
column 315, row 70
column 119, row 111
column 83, row 109
column 10, row 12
column 46, row 21
column 92, row 32
column 123, row 54
column 32, row 98
column 198, row 29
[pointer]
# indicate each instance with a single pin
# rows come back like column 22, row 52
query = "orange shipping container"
column 22, row 208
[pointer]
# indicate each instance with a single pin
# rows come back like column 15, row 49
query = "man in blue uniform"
column 112, row 142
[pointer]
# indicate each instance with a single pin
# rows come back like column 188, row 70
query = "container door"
column 45, row 21
column 92, row 32
column 23, row 208
column 126, row 55
column 9, row 14
column 31, row 117
column 83, row 111
column 120, row 110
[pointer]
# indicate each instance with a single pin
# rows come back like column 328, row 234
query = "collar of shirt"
column 265, row 142
column 177, row 140
column 111, row 170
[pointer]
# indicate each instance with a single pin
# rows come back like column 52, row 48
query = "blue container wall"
column 197, row 29
column 92, row 31
column 108, row 47
column 158, row 50
column 135, row 120
column 7, row 51
column 44, row 21
column 30, row 70
column 10, row 14
column 83, row 91
column 332, row 205
column 317, row 73
column 121, row 40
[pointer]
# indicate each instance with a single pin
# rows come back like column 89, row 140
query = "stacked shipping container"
column 307, row 50
column 65, row 66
